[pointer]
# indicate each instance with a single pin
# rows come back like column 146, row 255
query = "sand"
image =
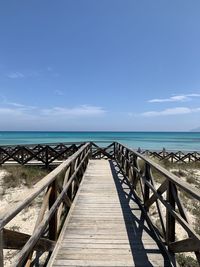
column 24, row 221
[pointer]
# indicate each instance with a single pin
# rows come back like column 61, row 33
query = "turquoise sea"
column 189, row 141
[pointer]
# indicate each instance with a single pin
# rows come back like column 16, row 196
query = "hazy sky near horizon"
column 124, row 65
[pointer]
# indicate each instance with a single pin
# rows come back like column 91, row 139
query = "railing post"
column 127, row 164
column 53, row 222
column 134, row 175
column 122, row 158
column 170, row 220
column 1, row 248
column 46, row 157
column 164, row 152
column 114, row 156
column 147, row 177
column 117, row 152
column 1, row 156
column 70, row 189
column 79, row 173
column 90, row 155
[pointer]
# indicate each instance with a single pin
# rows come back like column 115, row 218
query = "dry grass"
column 179, row 165
column 196, row 213
column 186, row 261
column 22, row 175
column 180, row 173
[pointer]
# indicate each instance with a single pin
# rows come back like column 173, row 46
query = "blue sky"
column 124, row 65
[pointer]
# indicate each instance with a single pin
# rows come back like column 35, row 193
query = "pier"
column 96, row 211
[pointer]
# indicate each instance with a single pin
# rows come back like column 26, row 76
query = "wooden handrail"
column 43, row 153
column 47, row 220
column 172, row 155
column 193, row 191
column 99, row 152
column 49, row 153
column 143, row 185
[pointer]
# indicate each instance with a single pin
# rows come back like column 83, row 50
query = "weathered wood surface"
column 45, row 154
column 55, row 153
column 172, row 156
column 105, row 226
column 16, row 240
column 138, row 170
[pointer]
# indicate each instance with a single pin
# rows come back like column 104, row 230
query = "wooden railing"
column 50, row 153
column 139, row 171
column 102, row 152
column 59, row 189
column 44, row 153
column 172, row 156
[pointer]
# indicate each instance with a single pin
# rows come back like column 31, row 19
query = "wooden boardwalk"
column 105, row 226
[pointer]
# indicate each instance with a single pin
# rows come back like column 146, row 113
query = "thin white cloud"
column 10, row 111
column 176, row 98
column 13, row 116
column 31, row 73
column 18, row 118
column 17, row 105
column 15, row 75
column 194, row 95
column 80, row 111
column 12, row 108
column 25, row 74
column 171, row 111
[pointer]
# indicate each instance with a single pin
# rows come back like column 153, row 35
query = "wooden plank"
column 95, row 242
column 1, row 248
column 186, row 245
column 53, row 221
column 170, row 220
column 108, row 251
column 162, row 188
column 113, row 246
column 112, row 236
column 104, row 263
column 16, row 240
column 105, row 228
